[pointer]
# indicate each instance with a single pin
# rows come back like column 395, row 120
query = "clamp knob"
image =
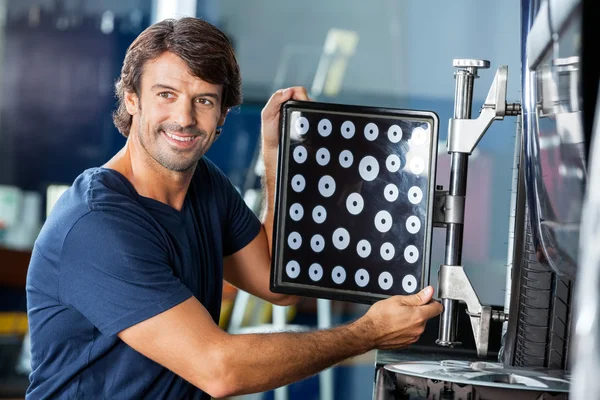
column 470, row 65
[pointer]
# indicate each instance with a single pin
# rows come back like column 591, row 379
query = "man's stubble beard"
column 164, row 159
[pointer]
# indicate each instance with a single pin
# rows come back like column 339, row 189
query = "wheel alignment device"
column 464, row 134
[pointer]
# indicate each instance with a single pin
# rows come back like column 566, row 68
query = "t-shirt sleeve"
column 114, row 270
column 241, row 223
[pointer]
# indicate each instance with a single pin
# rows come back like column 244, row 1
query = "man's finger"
column 299, row 93
column 423, row 297
column 271, row 109
column 431, row 310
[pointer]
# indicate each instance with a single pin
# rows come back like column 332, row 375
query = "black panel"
column 353, row 195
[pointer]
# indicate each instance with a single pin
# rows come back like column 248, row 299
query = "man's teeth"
column 181, row 139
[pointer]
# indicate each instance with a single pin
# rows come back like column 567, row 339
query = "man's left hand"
column 270, row 114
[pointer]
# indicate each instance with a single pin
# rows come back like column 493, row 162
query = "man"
column 124, row 285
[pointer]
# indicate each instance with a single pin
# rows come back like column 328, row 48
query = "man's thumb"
column 419, row 299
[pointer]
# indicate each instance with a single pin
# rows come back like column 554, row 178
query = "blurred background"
column 59, row 60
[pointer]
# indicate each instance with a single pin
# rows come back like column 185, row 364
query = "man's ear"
column 220, row 124
column 132, row 102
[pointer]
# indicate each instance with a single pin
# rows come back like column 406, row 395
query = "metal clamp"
column 455, row 285
column 464, row 134
column 447, row 209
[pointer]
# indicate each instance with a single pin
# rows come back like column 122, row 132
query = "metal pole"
column 279, row 320
column 458, row 187
column 326, row 376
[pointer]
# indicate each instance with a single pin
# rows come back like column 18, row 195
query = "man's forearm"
column 261, row 362
column 268, row 183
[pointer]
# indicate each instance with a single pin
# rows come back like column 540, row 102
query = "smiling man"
column 124, row 284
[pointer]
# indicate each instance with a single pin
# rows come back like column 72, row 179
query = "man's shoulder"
column 94, row 193
column 95, row 189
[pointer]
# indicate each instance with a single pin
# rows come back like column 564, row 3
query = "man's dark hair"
column 204, row 48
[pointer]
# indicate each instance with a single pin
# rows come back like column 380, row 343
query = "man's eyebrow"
column 167, row 87
column 163, row 86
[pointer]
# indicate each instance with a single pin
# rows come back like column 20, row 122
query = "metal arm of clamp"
column 454, row 284
column 465, row 134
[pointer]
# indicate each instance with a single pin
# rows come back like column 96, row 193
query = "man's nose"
column 185, row 114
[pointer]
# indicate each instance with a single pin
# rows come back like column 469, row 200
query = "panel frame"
column 277, row 284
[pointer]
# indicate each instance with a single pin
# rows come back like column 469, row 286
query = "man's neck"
column 149, row 178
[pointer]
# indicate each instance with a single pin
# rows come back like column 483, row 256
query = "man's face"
column 177, row 113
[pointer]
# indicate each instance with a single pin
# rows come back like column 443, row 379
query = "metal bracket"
column 447, row 209
column 465, row 134
column 439, row 207
column 454, row 284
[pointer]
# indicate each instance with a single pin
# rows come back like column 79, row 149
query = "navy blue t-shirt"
column 107, row 259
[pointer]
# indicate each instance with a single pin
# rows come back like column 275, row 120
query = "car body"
column 554, row 140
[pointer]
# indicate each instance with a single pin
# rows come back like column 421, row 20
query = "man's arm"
column 186, row 340
column 249, row 268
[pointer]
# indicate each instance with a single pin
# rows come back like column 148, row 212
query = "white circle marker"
column 395, row 134
column 347, row 129
column 346, row 158
column 392, row 163
column 317, row 243
column 326, row 186
column 417, row 165
column 319, row 214
column 341, row 238
column 315, row 272
column 415, row 195
column 294, row 240
column 413, row 224
column 409, row 283
column 385, row 280
column 296, row 212
column 355, row 203
column 322, row 156
column 302, row 125
column 411, row 254
column 390, row 192
column 298, row 183
column 338, row 274
column 300, row 154
column 371, row 131
column 363, row 248
column 419, row 136
column 324, row 127
column 387, row 251
column 361, row 277
column 368, row 168
column 292, row 269
column 383, row 221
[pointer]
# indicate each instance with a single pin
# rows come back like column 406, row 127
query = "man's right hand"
column 398, row 321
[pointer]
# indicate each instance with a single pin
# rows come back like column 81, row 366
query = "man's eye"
column 165, row 95
column 203, row 101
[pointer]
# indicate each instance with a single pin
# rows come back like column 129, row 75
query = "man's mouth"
column 179, row 137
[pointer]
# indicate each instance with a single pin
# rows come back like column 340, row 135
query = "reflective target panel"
column 354, row 189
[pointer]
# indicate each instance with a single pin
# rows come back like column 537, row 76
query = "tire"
column 541, row 319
